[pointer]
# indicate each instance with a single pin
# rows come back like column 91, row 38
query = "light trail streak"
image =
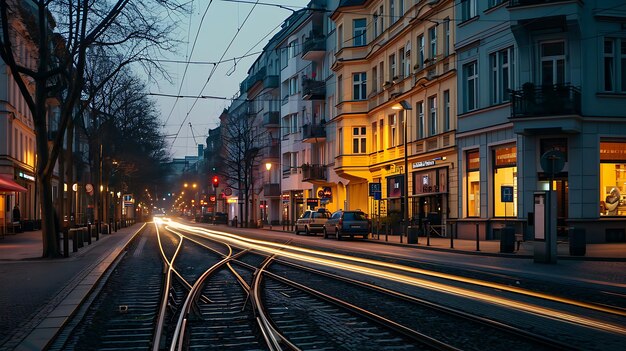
column 303, row 254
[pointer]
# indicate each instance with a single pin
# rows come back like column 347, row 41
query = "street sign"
column 552, row 162
column 506, row 193
column 377, row 195
column 228, row 191
column 375, row 188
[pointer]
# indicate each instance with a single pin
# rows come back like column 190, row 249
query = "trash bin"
column 412, row 235
column 577, row 242
column 507, row 240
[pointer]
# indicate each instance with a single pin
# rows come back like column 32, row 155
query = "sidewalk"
column 39, row 295
column 594, row 252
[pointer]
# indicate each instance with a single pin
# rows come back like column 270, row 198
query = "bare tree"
column 62, row 33
column 241, row 153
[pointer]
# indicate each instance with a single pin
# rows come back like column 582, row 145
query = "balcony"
column 271, row 119
column 314, row 47
column 271, row 190
column 313, row 173
column 313, row 89
column 271, row 82
column 313, row 133
column 533, row 15
column 552, row 100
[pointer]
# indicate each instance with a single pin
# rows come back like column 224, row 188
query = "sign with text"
column 375, row 188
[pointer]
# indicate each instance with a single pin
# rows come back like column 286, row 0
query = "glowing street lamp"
column 405, row 106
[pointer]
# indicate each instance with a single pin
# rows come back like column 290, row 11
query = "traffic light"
column 216, row 181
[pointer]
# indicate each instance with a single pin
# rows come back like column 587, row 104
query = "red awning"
column 7, row 184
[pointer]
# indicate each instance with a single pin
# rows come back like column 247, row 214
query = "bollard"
column 477, row 237
column 66, row 243
column 427, row 225
column 452, row 236
column 89, row 233
column 74, row 237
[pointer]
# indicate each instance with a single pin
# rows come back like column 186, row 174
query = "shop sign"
column 473, row 160
column 394, row 186
column 26, row 176
column 232, row 200
column 313, row 201
column 506, row 156
column 375, row 188
column 612, row 151
column 420, row 164
column 285, row 197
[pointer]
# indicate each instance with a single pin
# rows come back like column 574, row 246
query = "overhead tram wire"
column 193, row 47
column 213, row 71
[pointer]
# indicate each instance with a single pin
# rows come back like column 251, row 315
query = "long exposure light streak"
column 329, row 259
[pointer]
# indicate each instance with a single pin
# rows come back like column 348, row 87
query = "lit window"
column 613, row 178
column 505, row 181
column 472, row 190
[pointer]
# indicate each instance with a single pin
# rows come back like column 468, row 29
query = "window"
column 446, row 30
column 359, row 32
column 420, row 119
column 470, row 74
column 553, row 63
column 393, row 130
column 615, row 65
column 392, row 67
column 432, row 34
column 381, row 18
column 392, row 11
column 446, row 110
column 402, row 63
column 340, row 37
column 374, row 79
column 502, row 75
column 340, row 88
column 612, row 178
column 407, row 59
column 293, row 48
column 468, row 9
column 359, row 141
column 293, row 85
column 432, row 114
column 359, row 86
column 374, row 137
column 420, row 51
column 381, row 71
column 400, row 8
column 340, row 138
column 375, row 23
column 505, row 175
column 472, row 190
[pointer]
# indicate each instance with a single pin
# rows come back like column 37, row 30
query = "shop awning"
column 8, row 185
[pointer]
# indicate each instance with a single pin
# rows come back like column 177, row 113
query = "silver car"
column 312, row 221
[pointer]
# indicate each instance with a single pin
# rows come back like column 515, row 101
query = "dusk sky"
column 221, row 23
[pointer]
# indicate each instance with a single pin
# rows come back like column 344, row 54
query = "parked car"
column 312, row 221
column 347, row 223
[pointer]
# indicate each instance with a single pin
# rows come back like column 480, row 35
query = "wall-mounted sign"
column 420, row 164
column 473, row 160
column 26, row 176
column 312, row 202
column 506, row 156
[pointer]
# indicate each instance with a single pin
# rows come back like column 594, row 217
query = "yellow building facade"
column 390, row 52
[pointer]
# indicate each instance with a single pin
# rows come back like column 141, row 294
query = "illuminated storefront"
column 612, row 178
column 472, row 195
column 504, row 175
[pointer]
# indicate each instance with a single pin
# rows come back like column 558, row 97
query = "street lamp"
column 268, row 166
column 404, row 106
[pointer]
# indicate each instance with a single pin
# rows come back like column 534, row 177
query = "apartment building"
column 538, row 77
column 396, row 53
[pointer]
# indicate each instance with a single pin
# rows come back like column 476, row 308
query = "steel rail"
column 378, row 319
column 168, row 280
column 553, row 344
column 274, row 338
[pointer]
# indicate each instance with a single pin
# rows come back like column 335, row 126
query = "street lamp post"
column 268, row 166
column 405, row 106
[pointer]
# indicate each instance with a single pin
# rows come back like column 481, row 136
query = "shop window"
column 613, row 178
column 505, row 175
column 472, row 192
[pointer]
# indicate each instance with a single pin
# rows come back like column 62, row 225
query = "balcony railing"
column 513, row 3
column 313, row 172
column 313, row 132
column 548, row 100
column 314, row 47
column 313, row 89
column 271, row 81
column 272, row 189
column 271, row 119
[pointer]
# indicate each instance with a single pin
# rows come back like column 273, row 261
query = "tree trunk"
column 69, row 166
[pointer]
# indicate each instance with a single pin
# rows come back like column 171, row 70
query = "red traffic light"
column 216, row 181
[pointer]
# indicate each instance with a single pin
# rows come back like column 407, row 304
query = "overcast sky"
column 221, row 23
